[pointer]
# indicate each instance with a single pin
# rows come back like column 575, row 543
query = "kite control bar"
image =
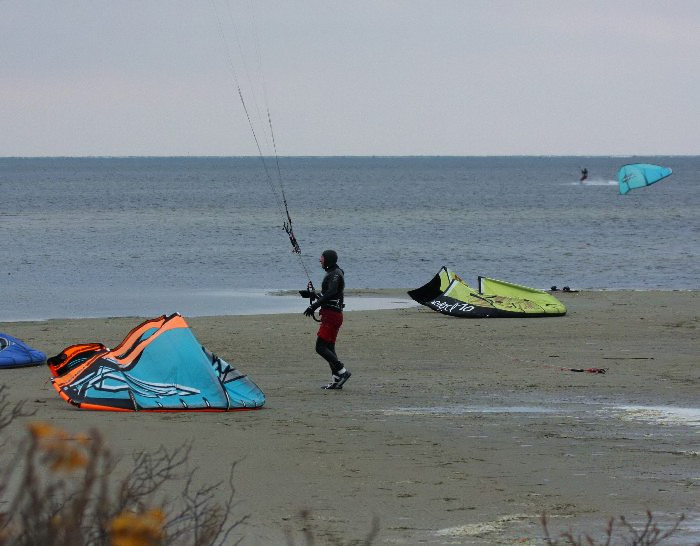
column 310, row 293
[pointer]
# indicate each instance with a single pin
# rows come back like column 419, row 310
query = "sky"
column 366, row 77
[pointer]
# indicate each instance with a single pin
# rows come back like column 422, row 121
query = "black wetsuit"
column 332, row 287
column 330, row 299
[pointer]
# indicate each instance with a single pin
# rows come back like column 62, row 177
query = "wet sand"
column 450, row 431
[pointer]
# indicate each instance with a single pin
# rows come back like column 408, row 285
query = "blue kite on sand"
column 159, row 366
column 15, row 353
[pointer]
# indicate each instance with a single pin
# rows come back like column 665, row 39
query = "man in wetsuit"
column 330, row 300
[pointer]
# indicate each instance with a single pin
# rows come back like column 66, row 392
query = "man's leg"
column 327, row 351
column 325, row 346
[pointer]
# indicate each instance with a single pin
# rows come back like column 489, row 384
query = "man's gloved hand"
column 308, row 294
column 309, row 312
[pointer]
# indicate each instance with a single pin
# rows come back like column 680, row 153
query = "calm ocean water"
column 143, row 236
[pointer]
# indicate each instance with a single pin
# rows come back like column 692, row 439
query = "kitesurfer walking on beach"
column 330, row 300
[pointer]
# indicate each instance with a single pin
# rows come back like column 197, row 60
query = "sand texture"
column 451, row 431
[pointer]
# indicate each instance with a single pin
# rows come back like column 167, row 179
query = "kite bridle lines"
column 277, row 187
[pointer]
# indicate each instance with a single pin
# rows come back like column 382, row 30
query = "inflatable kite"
column 15, row 353
column 450, row 295
column 160, row 366
column 639, row 175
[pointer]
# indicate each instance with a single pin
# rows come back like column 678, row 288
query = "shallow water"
column 651, row 419
column 193, row 303
column 665, row 415
column 459, row 409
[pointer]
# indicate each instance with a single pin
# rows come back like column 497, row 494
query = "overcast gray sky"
column 361, row 77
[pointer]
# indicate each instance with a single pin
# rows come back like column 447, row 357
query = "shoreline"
column 209, row 303
column 450, row 430
column 250, row 302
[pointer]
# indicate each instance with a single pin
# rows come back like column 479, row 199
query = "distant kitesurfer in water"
column 330, row 300
column 584, row 174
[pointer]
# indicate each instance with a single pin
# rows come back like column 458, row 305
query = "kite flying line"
column 275, row 182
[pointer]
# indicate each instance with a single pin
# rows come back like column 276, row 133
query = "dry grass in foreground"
column 621, row 532
column 56, row 490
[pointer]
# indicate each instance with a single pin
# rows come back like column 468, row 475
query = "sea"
column 143, row 236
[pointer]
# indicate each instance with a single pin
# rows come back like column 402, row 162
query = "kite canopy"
column 15, row 353
column 450, row 295
column 639, row 175
column 160, row 366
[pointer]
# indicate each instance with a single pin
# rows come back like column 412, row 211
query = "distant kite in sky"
column 639, row 175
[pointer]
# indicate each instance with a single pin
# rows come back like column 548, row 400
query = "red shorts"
column 331, row 321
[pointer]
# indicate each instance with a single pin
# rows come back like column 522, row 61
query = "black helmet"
column 330, row 258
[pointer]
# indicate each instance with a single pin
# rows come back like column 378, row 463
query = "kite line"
column 275, row 182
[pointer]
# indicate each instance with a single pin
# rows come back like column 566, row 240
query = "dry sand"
column 451, row 431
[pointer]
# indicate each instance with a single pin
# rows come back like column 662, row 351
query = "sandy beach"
column 451, row 431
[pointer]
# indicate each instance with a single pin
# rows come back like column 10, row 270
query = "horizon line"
column 336, row 156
